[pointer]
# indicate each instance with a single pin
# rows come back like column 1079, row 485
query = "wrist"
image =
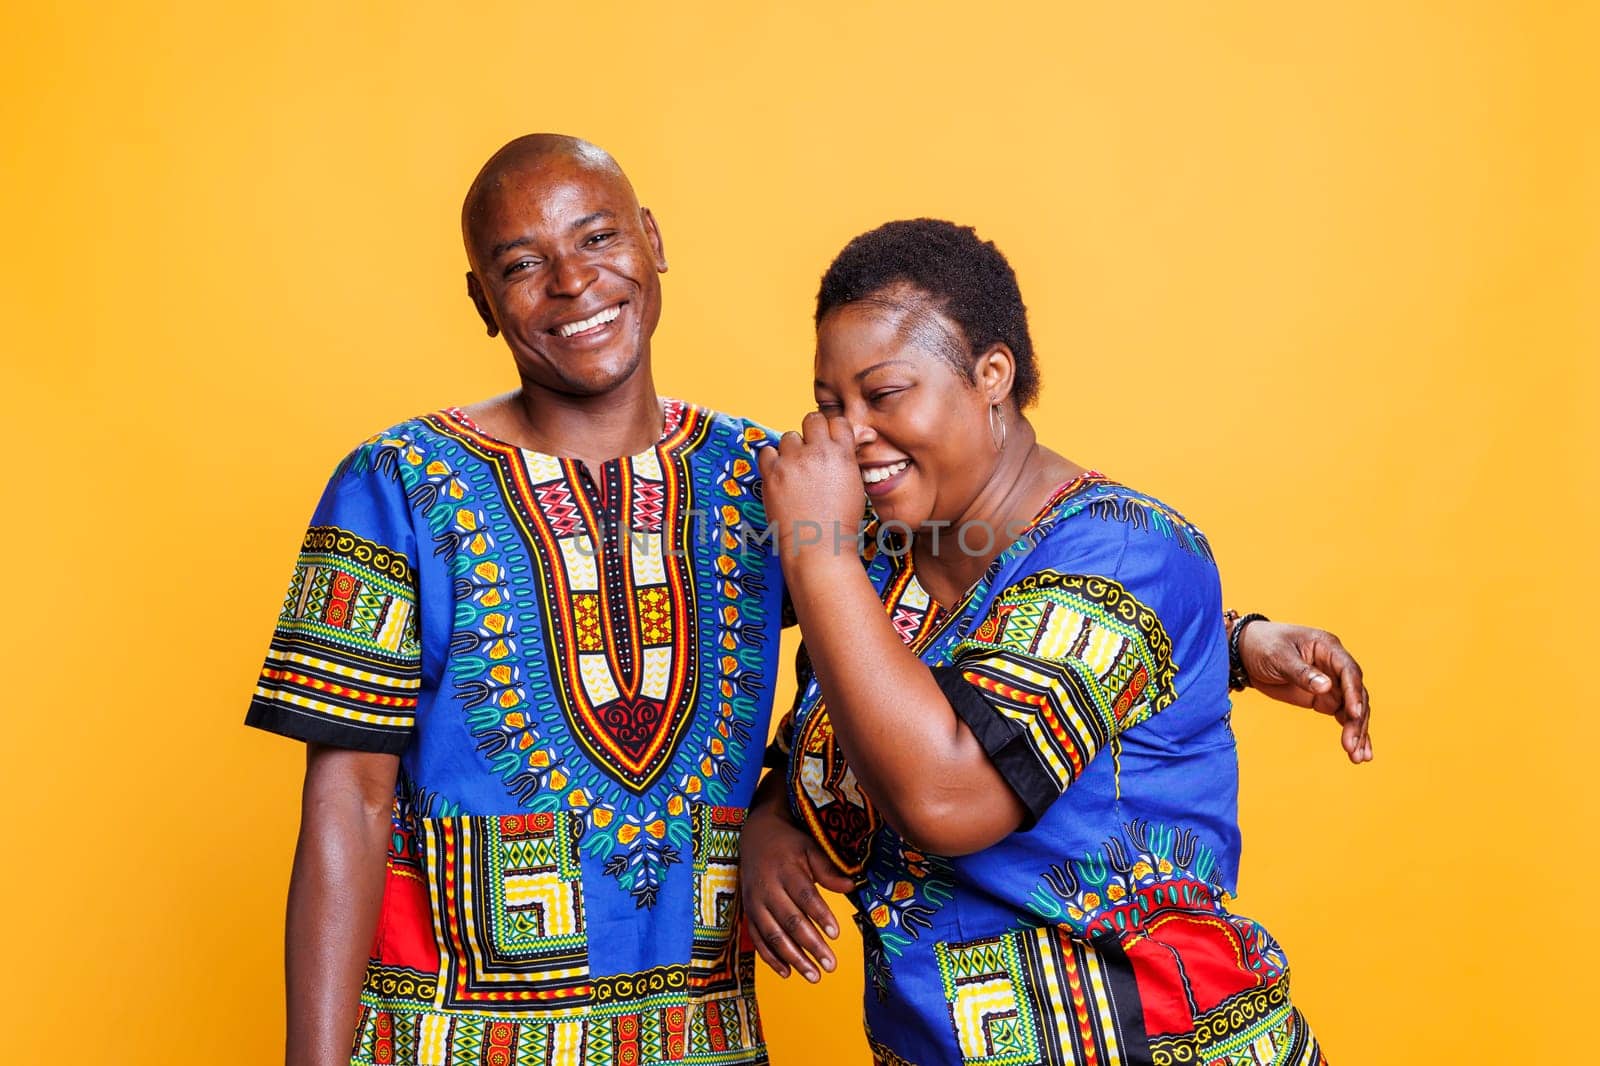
column 824, row 557
column 1238, row 676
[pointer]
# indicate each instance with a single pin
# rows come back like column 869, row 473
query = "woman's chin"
column 898, row 519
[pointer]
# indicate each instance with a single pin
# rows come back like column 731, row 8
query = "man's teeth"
column 608, row 315
column 883, row 473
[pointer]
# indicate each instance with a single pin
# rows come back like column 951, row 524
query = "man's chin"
column 589, row 378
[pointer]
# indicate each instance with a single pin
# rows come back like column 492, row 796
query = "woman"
column 1012, row 736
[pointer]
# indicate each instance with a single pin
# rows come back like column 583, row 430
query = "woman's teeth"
column 883, row 473
column 608, row 315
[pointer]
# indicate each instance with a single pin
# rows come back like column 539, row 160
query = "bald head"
column 564, row 263
column 525, row 155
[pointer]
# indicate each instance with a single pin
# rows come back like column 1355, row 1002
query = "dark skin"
column 334, row 895
column 886, row 405
column 555, row 239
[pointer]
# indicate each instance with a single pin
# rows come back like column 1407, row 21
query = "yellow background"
column 1323, row 276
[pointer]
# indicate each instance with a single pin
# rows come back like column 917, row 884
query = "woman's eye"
column 828, row 407
column 884, row 394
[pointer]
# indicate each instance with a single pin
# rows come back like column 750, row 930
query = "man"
column 532, row 657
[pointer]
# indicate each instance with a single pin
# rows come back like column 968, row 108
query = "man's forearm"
column 335, row 893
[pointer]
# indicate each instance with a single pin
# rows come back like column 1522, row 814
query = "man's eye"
column 600, row 238
column 521, row 265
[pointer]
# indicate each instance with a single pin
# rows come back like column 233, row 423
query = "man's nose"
column 570, row 276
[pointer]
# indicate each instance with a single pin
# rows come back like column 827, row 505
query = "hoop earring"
column 997, row 435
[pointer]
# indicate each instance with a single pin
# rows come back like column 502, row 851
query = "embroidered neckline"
column 673, row 413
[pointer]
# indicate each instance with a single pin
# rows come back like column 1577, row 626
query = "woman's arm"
column 917, row 760
column 927, row 774
column 334, row 895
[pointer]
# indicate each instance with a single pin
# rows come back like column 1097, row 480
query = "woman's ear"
column 996, row 372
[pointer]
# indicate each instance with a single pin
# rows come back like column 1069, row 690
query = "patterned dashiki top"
column 577, row 676
column 1091, row 663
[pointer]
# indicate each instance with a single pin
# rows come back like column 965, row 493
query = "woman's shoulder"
column 1096, row 508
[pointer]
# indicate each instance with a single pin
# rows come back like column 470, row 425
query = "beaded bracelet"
column 1238, row 677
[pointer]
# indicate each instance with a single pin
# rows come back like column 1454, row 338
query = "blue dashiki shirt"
column 577, row 676
column 1091, row 663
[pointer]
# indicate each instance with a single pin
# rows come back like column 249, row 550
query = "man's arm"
column 1308, row 668
column 334, row 895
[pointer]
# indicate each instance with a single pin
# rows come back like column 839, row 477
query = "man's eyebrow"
column 505, row 246
column 517, row 242
column 591, row 218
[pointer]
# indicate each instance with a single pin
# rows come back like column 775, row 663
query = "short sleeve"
column 1059, row 666
column 344, row 666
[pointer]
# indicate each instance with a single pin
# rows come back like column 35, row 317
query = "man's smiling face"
column 565, row 264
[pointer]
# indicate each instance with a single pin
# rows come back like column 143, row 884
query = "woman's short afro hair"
column 965, row 277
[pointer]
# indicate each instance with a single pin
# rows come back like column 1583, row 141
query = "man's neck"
column 591, row 429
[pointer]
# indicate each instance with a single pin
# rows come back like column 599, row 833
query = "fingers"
column 814, row 427
column 787, row 916
column 1364, row 752
column 1354, row 709
column 817, row 427
column 779, row 967
column 826, row 874
column 791, row 941
column 1314, row 680
column 1344, row 666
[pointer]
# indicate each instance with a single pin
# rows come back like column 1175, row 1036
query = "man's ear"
column 653, row 232
column 996, row 373
column 475, row 290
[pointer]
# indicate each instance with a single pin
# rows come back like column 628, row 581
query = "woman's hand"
column 1310, row 668
column 812, row 488
column 780, row 867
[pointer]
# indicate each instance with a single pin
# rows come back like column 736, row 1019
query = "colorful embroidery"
column 1127, row 954
column 716, row 897
column 579, row 668
column 1144, row 513
column 621, row 590
column 822, row 789
column 1039, row 997
column 648, row 1031
column 827, row 798
column 897, row 898
column 701, row 1013
column 346, row 641
column 1072, row 659
column 508, row 911
column 1255, row 1028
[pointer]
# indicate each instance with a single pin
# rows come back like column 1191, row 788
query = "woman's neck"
column 1022, row 482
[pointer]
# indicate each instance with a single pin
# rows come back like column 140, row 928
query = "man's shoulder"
column 409, row 438
column 742, row 432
